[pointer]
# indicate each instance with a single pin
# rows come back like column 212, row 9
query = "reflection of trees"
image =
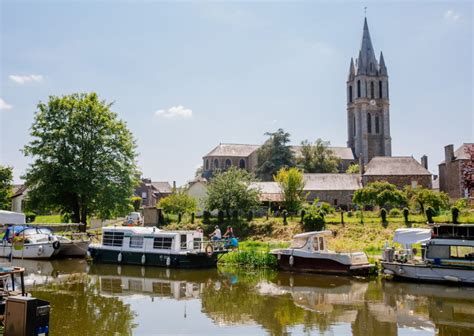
column 86, row 311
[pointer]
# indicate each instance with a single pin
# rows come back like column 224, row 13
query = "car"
column 134, row 219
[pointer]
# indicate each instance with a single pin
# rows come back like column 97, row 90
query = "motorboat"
column 447, row 254
column 309, row 253
column 150, row 246
column 21, row 241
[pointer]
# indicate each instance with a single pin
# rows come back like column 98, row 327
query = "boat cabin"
column 314, row 241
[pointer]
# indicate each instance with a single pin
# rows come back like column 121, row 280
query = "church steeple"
column 367, row 63
column 382, row 67
column 351, row 70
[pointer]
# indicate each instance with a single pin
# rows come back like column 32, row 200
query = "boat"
column 309, row 253
column 447, row 254
column 150, row 246
column 21, row 241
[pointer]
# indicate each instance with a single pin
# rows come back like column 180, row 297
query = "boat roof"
column 143, row 230
column 452, row 242
column 412, row 235
column 313, row 233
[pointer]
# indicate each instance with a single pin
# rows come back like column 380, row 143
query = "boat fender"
column 401, row 271
column 278, row 256
column 209, row 250
column 119, row 257
column 143, row 259
column 389, row 272
column 292, row 260
column 56, row 244
column 168, row 261
column 451, row 278
column 40, row 250
column 88, row 254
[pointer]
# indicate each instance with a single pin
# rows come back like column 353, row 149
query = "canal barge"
column 447, row 254
column 309, row 253
column 150, row 246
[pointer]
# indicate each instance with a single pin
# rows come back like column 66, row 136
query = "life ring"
column 56, row 244
column 209, row 250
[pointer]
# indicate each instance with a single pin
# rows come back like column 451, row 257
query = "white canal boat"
column 447, row 254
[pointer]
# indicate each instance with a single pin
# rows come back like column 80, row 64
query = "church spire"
column 382, row 67
column 367, row 63
column 351, row 69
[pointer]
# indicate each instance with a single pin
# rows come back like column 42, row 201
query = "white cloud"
column 175, row 112
column 4, row 105
column 25, row 79
column 452, row 16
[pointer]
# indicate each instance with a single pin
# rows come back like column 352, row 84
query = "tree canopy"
column 84, row 158
column 274, row 154
column 423, row 198
column 229, row 190
column 178, row 203
column 379, row 193
column 353, row 169
column 291, row 183
column 6, row 177
column 317, row 157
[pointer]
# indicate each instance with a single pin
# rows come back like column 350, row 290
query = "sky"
column 186, row 76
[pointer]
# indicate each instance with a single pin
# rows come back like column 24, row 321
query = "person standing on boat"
column 216, row 235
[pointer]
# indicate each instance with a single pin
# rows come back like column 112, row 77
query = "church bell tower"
column 368, row 114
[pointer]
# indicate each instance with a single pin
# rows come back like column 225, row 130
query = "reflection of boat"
column 309, row 253
column 150, row 246
column 447, row 257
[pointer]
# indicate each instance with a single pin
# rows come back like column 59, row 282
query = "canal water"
column 130, row 300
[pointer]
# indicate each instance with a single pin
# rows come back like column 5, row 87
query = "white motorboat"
column 447, row 254
column 309, row 253
column 28, row 243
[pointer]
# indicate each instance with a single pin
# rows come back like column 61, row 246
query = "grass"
column 253, row 254
column 48, row 219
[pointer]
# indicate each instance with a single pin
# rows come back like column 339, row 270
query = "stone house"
column 151, row 192
column 456, row 172
column 398, row 170
column 335, row 189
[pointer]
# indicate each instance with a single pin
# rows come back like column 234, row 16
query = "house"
column 19, row 193
column 197, row 189
column 151, row 192
column 335, row 189
column 456, row 172
column 398, row 170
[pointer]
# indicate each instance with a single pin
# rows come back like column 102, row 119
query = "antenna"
column 365, row 11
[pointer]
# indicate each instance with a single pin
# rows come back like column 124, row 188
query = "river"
column 124, row 300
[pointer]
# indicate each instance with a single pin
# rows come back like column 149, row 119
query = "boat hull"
column 170, row 260
column 429, row 273
column 320, row 265
column 29, row 251
column 73, row 249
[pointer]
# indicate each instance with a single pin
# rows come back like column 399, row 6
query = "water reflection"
column 107, row 299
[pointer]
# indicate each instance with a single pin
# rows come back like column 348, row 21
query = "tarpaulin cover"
column 412, row 236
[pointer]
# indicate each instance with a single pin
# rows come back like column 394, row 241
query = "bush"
column 285, row 214
column 249, row 215
column 136, row 202
column 235, row 214
column 326, row 208
column 206, row 217
column 303, row 212
column 429, row 214
column 192, row 218
column 220, row 216
column 179, row 217
column 406, row 212
column 313, row 221
column 350, row 214
column 395, row 213
column 455, row 214
column 461, row 204
column 383, row 214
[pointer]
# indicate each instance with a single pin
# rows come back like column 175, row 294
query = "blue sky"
column 186, row 76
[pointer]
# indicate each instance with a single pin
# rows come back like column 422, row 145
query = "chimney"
column 448, row 153
column 174, row 186
column 361, row 165
column 424, row 161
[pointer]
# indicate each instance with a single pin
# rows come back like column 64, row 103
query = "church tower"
column 368, row 115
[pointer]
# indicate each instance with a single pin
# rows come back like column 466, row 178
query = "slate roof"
column 240, row 150
column 395, row 165
column 269, row 191
column 162, row 187
column 344, row 153
column 319, row 182
column 18, row 189
column 461, row 154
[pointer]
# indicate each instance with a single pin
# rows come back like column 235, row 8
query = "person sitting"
column 216, row 235
column 229, row 232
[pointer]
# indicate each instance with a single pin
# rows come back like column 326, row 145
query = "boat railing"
column 216, row 245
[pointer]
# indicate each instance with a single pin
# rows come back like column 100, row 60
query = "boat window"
column 321, row 243
column 197, row 243
column 299, row 242
column 438, row 251
column 162, row 243
column 462, row 252
column 184, row 243
column 112, row 238
column 136, row 241
column 315, row 244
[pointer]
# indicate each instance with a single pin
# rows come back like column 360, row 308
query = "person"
column 229, row 233
column 199, row 229
column 216, row 235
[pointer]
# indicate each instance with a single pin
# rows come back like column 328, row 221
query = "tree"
column 6, row 177
column 84, row 158
column 423, row 198
column 274, row 154
column 291, row 183
column 317, row 157
column 353, row 169
column 379, row 193
column 178, row 203
column 229, row 190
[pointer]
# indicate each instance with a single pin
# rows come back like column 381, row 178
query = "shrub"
column 383, row 214
column 136, row 202
column 326, row 208
column 235, row 214
column 461, row 204
column 406, row 212
column 179, row 217
column 285, row 214
column 313, row 221
column 206, row 217
column 429, row 214
column 396, row 213
column 220, row 216
column 303, row 212
column 192, row 218
column 455, row 214
column 249, row 215
column 350, row 214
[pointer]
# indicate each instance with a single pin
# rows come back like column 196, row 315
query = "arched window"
column 350, row 93
column 369, row 123
column 228, row 163
column 216, row 164
column 207, row 164
column 242, row 164
column 380, row 90
column 358, row 88
column 372, row 90
column 377, row 127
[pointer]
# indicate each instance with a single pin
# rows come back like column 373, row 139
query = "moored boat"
column 28, row 243
column 150, row 246
column 309, row 253
column 447, row 255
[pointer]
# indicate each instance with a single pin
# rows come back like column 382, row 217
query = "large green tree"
column 229, row 190
column 379, row 193
column 291, row 183
column 178, row 203
column 84, row 158
column 6, row 177
column 317, row 157
column 274, row 154
column 423, row 198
